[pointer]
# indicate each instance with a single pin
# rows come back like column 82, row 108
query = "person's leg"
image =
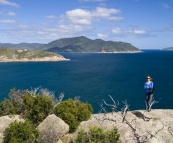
column 150, row 100
column 147, row 100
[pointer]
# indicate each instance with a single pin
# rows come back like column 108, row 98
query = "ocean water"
column 95, row 76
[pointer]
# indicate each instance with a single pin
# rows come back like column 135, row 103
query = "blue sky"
column 146, row 24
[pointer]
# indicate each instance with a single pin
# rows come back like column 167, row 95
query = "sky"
column 146, row 24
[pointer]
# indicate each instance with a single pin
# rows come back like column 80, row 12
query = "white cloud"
column 81, row 16
column 165, row 5
column 139, row 31
column 51, row 16
column 43, row 33
column 128, row 33
column 7, row 21
column 22, row 26
column 12, row 14
column 99, row 35
column 6, row 2
column 116, row 31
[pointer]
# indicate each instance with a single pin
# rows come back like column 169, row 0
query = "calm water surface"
column 95, row 76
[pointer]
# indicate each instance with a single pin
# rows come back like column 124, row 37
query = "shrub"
column 19, row 132
column 73, row 112
column 9, row 107
column 97, row 135
column 37, row 108
column 32, row 107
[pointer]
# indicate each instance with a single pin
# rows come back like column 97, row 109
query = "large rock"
column 4, row 123
column 153, row 127
column 52, row 128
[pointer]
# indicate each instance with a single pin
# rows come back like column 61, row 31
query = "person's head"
column 149, row 78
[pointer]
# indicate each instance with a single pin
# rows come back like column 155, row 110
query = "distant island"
column 24, row 55
column 79, row 44
column 28, row 46
column 169, row 48
column 85, row 45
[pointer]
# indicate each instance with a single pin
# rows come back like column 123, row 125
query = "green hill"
column 84, row 44
column 27, row 55
column 29, row 46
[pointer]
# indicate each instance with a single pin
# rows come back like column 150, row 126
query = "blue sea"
column 95, row 76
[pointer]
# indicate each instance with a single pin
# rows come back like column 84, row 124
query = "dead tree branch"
column 124, row 110
column 114, row 106
column 140, row 138
column 154, row 135
column 152, row 103
column 170, row 129
column 102, row 108
column 34, row 91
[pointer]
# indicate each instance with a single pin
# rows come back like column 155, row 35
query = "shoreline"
column 125, row 52
column 59, row 59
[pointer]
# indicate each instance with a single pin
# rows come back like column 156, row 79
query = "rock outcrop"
column 4, row 123
column 139, row 126
column 52, row 129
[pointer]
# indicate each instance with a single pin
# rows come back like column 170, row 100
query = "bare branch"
column 102, row 108
column 154, row 135
column 124, row 110
column 34, row 91
column 77, row 98
column 170, row 129
column 114, row 106
column 152, row 103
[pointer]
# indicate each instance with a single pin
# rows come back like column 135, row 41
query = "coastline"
column 120, row 52
column 45, row 59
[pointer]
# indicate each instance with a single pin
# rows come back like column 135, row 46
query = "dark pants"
column 149, row 98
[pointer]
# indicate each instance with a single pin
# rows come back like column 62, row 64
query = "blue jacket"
column 150, row 85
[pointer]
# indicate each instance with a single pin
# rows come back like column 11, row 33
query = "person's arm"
column 145, row 86
column 151, row 85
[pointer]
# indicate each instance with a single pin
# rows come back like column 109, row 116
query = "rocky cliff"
column 138, row 126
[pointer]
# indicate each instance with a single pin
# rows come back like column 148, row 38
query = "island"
column 79, row 44
column 24, row 55
column 169, row 48
column 83, row 44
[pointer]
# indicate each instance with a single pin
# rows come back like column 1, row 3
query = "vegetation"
column 23, row 53
column 84, row 44
column 21, row 132
column 73, row 112
column 34, row 46
column 8, row 107
column 37, row 108
column 97, row 135
column 34, row 108
column 36, row 105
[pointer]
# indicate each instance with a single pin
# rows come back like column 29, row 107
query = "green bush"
column 73, row 112
column 36, row 108
column 32, row 107
column 19, row 132
column 97, row 135
column 8, row 107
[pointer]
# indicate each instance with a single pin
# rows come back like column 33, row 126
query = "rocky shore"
column 139, row 126
column 53, row 58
